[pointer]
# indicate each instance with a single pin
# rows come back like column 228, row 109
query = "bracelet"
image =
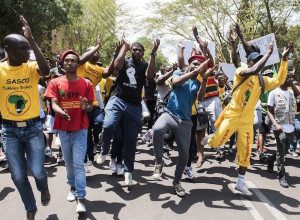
column 115, row 55
column 152, row 54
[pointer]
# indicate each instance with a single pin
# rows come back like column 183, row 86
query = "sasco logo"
column 17, row 81
column 18, row 103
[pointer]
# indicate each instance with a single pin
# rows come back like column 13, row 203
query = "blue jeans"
column 293, row 146
column 73, row 145
column 130, row 116
column 30, row 141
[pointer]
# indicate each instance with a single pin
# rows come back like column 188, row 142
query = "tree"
column 42, row 16
column 160, row 59
column 214, row 19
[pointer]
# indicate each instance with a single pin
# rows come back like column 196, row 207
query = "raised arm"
column 234, row 56
column 202, row 89
column 246, row 46
column 161, row 79
column 256, row 68
column 89, row 54
column 180, row 55
column 110, row 69
column 119, row 62
column 43, row 68
column 151, row 67
column 177, row 81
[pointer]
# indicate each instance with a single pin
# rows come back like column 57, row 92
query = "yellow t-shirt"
column 246, row 96
column 102, row 85
column 19, row 94
column 93, row 73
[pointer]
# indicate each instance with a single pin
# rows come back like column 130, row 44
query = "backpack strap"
column 262, row 83
column 238, row 85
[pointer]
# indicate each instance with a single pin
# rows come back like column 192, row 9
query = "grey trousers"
column 182, row 132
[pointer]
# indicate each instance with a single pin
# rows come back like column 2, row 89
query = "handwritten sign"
column 263, row 44
column 229, row 69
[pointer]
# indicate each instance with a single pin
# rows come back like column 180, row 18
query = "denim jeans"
column 30, row 141
column 116, row 111
column 117, row 145
column 73, row 145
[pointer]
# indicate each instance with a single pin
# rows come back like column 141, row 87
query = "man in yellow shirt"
column 20, row 108
column 239, row 113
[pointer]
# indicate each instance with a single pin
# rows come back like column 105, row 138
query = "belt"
column 21, row 124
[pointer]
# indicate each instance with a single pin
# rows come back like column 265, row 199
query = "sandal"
column 200, row 163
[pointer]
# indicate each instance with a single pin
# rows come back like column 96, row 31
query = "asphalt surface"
column 209, row 196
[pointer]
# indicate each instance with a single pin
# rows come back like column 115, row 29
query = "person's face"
column 58, row 58
column 19, row 51
column 221, row 80
column 289, row 79
column 270, row 75
column 71, row 63
column 194, row 64
column 137, row 52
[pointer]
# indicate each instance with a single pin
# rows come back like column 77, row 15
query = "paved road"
column 210, row 196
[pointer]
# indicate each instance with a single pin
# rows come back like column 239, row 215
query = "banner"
column 263, row 44
column 229, row 69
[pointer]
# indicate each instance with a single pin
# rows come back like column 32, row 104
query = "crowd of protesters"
column 91, row 111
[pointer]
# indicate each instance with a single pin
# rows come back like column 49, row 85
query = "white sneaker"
column 86, row 168
column 293, row 153
column 48, row 152
column 205, row 139
column 101, row 158
column 60, row 158
column 2, row 156
column 243, row 189
column 119, row 170
column 80, row 207
column 89, row 162
column 112, row 165
column 71, row 196
column 128, row 178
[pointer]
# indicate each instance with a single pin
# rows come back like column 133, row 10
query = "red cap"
column 68, row 52
column 201, row 59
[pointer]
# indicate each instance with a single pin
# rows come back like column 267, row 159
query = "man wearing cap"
column 185, row 89
column 239, row 113
column 20, row 108
column 71, row 97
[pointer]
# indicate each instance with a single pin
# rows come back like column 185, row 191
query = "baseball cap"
column 254, row 56
column 267, row 72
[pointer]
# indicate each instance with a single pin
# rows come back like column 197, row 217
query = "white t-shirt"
column 99, row 97
column 42, row 113
column 162, row 90
column 287, row 128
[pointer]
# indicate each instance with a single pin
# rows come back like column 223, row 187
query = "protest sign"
column 229, row 69
column 263, row 44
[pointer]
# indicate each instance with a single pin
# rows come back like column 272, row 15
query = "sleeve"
column 90, row 92
column 51, row 91
column 271, row 99
column 237, row 75
column 272, row 83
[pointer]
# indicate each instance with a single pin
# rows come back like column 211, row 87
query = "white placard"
column 263, row 44
column 189, row 48
column 32, row 56
column 229, row 69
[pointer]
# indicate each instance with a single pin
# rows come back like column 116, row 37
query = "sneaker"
column 262, row 157
column 128, row 178
column 230, row 151
column 31, row 215
column 218, row 156
column 80, row 208
column 48, row 152
column 179, row 190
column 293, row 153
column 243, row 189
column 158, row 170
column 113, row 165
column 283, row 182
column 166, row 155
column 119, row 169
column 2, row 156
column 60, row 158
column 86, row 168
column 71, row 196
column 168, row 147
column 45, row 197
column 205, row 139
column 146, row 138
column 189, row 172
column 89, row 162
column 101, row 158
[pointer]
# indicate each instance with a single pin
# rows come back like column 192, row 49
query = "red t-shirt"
column 68, row 94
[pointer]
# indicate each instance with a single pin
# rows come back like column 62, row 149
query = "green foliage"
column 87, row 20
column 42, row 16
column 160, row 59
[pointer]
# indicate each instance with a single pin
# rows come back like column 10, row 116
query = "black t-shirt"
column 130, row 81
column 150, row 87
